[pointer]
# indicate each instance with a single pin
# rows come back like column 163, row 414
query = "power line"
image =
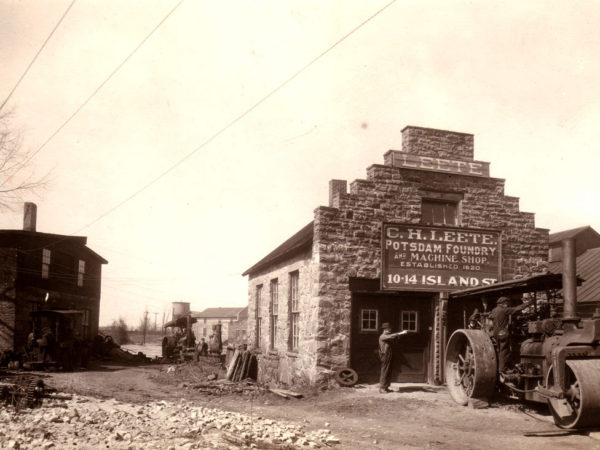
column 36, row 55
column 221, row 130
column 58, row 130
column 236, row 119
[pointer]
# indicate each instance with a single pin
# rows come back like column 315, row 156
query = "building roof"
column 301, row 240
column 588, row 268
column 515, row 286
column 34, row 240
column 556, row 238
column 219, row 313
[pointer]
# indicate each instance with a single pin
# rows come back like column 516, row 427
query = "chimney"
column 29, row 216
column 569, row 280
column 336, row 188
column 437, row 143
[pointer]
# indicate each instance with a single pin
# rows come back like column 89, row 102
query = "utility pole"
column 145, row 327
column 155, row 314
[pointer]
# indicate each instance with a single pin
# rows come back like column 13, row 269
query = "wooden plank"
column 290, row 393
column 232, row 364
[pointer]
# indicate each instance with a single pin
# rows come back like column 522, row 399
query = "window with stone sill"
column 369, row 319
column 294, row 308
column 258, row 314
column 439, row 212
column 274, row 306
column 409, row 321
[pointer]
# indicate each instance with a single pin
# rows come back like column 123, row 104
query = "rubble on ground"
column 86, row 422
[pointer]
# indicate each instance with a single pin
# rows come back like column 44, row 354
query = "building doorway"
column 409, row 311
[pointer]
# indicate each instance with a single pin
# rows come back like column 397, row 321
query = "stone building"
column 427, row 222
column 43, row 271
column 213, row 316
column 238, row 329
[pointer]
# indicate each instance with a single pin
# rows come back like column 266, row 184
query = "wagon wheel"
column 346, row 377
column 470, row 366
column 581, row 406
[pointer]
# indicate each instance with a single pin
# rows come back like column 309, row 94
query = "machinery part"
column 346, row 377
column 166, row 348
column 169, row 347
column 34, row 393
column 580, row 405
column 471, row 366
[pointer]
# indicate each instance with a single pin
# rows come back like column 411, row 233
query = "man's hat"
column 503, row 301
column 386, row 326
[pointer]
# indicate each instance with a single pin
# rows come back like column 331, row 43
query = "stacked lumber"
column 241, row 366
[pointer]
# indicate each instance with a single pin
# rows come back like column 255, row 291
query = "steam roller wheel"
column 471, row 366
column 581, row 406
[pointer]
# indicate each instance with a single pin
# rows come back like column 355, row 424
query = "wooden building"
column 429, row 221
column 587, row 253
column 41, row 271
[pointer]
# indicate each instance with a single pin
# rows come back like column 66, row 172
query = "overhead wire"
column 226, row 126
column 237, row 118
column 36, row 55
column 103, row 83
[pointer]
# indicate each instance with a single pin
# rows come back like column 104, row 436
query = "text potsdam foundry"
column 432, row 258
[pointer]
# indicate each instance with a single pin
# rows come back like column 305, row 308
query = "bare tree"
column 17, row 178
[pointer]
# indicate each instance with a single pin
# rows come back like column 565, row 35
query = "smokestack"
column 29, row 216
column 569, row 280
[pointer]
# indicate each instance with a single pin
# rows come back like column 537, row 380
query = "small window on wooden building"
column 409, row 321
column 46, row 257
column 80, row 273
column 85, row 325
column 368, row 320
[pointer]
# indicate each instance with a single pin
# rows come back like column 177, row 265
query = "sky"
column 187, row 153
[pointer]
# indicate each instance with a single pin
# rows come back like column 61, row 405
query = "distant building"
column 238, row 329
column 40, row 271
column 213, row 316
column 587, row 252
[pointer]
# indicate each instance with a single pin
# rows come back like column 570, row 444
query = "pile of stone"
column 91, row 423
column 222, row 387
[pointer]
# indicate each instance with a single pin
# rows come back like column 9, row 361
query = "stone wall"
column 278, row 363
column 203, row 328
column 348, row 237
column 438, row 143
column 347, row 243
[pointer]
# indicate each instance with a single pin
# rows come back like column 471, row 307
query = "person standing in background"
column 385, row 356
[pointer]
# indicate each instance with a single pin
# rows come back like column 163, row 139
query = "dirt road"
column 415, row 416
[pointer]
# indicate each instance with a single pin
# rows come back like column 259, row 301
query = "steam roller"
column 579, row 407
column 552, row 355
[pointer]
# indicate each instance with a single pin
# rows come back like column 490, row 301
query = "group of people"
column 497, row 327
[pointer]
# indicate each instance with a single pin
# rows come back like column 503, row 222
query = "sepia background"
column 188, row 139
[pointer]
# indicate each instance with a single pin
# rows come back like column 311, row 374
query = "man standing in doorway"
column 385, row 356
